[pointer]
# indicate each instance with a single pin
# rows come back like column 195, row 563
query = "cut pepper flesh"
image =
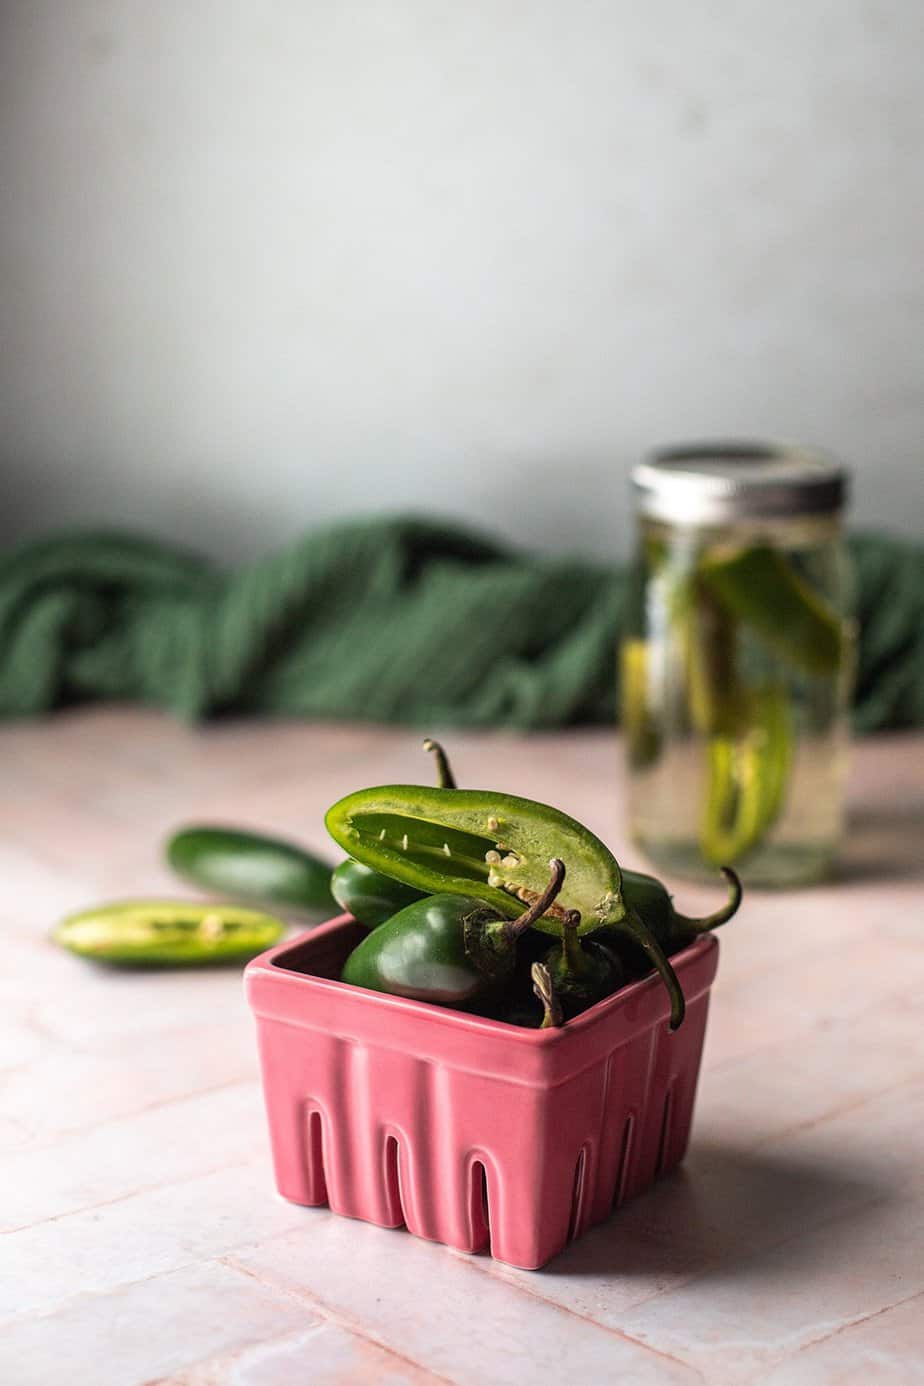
column 165, row 933
column 496, row 847
column 471, row 841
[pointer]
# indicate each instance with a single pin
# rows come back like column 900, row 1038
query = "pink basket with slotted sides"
column 465, row 1130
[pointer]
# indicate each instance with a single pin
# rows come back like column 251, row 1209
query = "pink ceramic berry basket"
column 470, row 1131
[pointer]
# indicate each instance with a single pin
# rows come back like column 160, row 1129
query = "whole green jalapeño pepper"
column 252, row 866
column 369, row 896
column 451, row 950
column 495, row 848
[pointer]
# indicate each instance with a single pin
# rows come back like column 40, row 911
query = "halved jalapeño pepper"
column 371, row 896
column 167, row 933
column 496, row 848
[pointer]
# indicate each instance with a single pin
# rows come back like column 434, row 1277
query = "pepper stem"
column 574, row 958
column 512, row 928
column 691, row 928
column 544, row 988
column 639, row 932
column 490, row 941
column 445, row 779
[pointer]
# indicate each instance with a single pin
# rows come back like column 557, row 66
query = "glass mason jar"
column 737, row 662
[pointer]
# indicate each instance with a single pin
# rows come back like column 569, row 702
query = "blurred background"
column 268, row 263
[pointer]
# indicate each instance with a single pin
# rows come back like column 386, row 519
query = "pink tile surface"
column 145, row 1243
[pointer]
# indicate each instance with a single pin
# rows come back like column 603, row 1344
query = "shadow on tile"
column 726, row 1204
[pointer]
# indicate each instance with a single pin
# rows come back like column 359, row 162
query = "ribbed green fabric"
column 395, row 620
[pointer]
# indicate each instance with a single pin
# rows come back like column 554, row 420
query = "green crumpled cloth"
column 394, row 620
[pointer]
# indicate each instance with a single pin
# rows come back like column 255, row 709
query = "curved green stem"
column 642, row 935
column 574, row 959
column 693, row 927
column 444, row 776
column 583, row 973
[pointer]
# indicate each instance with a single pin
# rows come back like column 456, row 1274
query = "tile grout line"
column 480, row 1265
column 89, row 1296
column 42, row 1313
column 711, row 1263
column 131, row 1116
column 842, row 1328
column 332, row 1316
column 224, row 1360
column 157, row 1105
column 473, row 1262
column 132, row 1193
column 38, row 1314
column 619, row 1333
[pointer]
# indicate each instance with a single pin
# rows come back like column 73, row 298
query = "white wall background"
column 267, row 262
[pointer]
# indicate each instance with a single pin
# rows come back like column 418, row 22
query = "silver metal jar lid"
column 711, row 483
